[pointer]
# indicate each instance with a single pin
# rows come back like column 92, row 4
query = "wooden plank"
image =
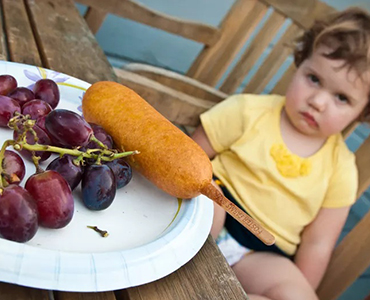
column 350, row 259
column 94, row 18
column 135, row 11
column 198, row 279
column 17, row 292
column 65, row 42
column 273, row 61
column 352, row 256
column 178, row 82
column 3, row 45
column 236, row 28
column 363, row 166
column 282, row 85
column 302, row 12
column 84, row 296
column 177, row 107
column 21, row 42
column 254, row 51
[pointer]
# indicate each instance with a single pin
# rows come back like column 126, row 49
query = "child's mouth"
column 309, row 119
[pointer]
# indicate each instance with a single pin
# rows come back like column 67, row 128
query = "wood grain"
column 3, row 44
column 84, row 296
column 253, row 52
column 282, row 49
column 65, row 42
column 196, row 280
column 350, row 259
column 95, row 18
column 135, row 11
column 282, row 85
column 17, row 292
column 21, row 43
column 177, row 107
column 302, row 12
column 177, row 82
column 236, row 28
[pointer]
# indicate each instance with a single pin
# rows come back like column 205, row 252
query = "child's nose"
column 319, row 101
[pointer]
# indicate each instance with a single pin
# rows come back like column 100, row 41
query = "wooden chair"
column 182, row 98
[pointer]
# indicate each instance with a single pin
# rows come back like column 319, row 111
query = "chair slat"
column 177, row 81
column 352, row 256
column 302, row 12
column 177, row 107
column 94, row 18
column 363, row 166
column 3, row 47
column 21, row 43
column 251, row 55
column 349, row 260
column 273, row 61
column 282, row 84
column 135, row 11
column 236, row 28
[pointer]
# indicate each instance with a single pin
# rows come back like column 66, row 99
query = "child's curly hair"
column 347, row 33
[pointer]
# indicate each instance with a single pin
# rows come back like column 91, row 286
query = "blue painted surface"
column 126, row 41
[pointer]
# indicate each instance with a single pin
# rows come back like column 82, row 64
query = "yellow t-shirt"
column 276, row 187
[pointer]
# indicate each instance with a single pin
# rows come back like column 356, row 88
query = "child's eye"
column 313, row 78
column 343, row 98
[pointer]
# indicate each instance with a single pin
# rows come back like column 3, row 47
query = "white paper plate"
column 151, row 234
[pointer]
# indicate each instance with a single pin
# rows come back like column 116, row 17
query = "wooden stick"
column 253, row 226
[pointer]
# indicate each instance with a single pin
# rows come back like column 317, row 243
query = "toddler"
column 283, row 160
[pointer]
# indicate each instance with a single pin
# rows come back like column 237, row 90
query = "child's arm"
column 200, row 137
column 318, row 242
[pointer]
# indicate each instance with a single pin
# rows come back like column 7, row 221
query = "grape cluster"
column 85, row 151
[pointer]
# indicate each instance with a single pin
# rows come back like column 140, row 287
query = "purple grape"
column 13, row 167
column 40, row 121
column 53, row 197
column 98, row 187
column 8, row 107
column 68, row 129
column 48, row 91
column 18, row 214
column 22, row 95
column 122, row 171
column 7, row 84
column 65, row 167
column 43, row 139
column 36, row 108
column 102, row 136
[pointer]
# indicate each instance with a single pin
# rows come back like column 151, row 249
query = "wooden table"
column 52, row 34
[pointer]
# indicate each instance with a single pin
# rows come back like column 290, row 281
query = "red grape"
column 40, row 121
column 22, row 95
column 53, row 197
column 43, row 139
column 47, row 90
column 7, row 84
column 65, row 167
column 36, row 108
column 13, row 167
column 67, row 129
column 18, row 214
column 8, row 107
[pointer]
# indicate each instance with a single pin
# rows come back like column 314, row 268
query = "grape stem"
column 2, row 154
column 63, row 151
